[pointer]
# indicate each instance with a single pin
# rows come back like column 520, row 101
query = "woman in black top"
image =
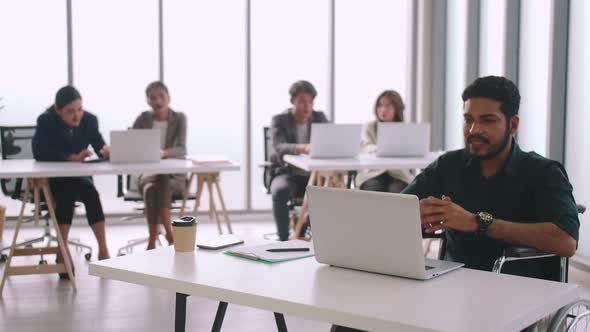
column 63, row 133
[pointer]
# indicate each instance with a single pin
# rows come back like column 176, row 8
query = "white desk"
column 463, row 300
column 37, row 184
column 362, row 162
column 28, row 168
column 328, row 172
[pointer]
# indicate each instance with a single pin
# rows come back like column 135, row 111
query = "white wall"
column 204, row 69
column 455, row 83
column 372, row 45
column 33, row 62
column 534, row 75
column 492, row 36
column 577, row 156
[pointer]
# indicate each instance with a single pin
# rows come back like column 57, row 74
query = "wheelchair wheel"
column 573, row 317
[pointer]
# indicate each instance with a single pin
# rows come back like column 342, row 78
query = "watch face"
column 486, row 217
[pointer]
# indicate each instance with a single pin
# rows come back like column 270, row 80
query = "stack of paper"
column 208, row 159
column 262, row 253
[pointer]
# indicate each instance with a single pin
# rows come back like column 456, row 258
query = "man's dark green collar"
column 511, row 165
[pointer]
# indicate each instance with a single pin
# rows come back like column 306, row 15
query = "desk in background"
column 330, row 172
column 37, row 174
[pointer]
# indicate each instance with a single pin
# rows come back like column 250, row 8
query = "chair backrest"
column 267, row 176
column 267, row 147
column 16, row 142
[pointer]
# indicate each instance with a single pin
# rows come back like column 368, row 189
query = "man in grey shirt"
column 290, row 134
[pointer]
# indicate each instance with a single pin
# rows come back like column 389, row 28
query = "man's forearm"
column 544, row 236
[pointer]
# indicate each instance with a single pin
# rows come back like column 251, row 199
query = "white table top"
column 362, row 162
column 463, row 300
column 28, row 168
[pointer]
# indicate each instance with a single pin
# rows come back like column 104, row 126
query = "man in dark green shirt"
column 492, row 194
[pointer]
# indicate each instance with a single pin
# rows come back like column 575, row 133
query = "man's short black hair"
column 300, row 87
column 497, row 88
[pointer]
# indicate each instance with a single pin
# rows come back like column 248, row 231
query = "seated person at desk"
column 157, row 189
column 389, row 107
column 491, row 193
column 63, row 133
column 290, row 134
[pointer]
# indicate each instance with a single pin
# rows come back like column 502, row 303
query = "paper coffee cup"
column 185, row 233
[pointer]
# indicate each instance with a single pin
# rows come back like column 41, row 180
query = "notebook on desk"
column 261, row 253
column 208, row 159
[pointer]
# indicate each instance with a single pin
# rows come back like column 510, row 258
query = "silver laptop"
column 403, row 139
column 335, row 140
column 135, row 146
column 371, row 231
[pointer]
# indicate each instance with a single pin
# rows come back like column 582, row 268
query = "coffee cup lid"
column 184, row 221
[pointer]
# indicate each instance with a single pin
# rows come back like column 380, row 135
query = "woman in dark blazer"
column 63, row 133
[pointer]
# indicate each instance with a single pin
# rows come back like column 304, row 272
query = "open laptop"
column 135, row 146
column 335, row 140
column 371, row 231
column 403, row 139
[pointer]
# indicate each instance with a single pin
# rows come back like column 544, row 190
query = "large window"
column 577, row 158
column 115, row 57
column 534, row 62
column 456, row 59
column 290, row 42
column 33, row 58
column 204, row 67
column 492, row 36
column 372, row 46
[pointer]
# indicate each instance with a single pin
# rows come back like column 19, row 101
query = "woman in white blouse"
column 389, row 107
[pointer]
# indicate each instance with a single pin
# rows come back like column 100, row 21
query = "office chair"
column 16, row 143
column 571, row 317
column 127, row 187
column 270, row 171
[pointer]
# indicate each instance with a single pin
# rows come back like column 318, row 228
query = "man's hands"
column 106, row 152
column 80, row 156
column 442, row 213
column 165, row 154
column 302, row 148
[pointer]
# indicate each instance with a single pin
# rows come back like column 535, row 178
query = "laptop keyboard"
column 429, row 267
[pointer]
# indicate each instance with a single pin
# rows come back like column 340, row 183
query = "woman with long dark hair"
column 389, row 107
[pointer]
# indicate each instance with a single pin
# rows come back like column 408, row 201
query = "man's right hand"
column 80, row 156
column 302, row 148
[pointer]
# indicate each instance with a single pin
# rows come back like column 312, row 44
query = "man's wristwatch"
column 484, row 220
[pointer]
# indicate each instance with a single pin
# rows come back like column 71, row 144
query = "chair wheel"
column 42, row 262
column 3, row 258
column 88, row 256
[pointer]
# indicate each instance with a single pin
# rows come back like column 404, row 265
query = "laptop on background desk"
column 395, row 139
column 330, row 140
column 371, row 231
column 135, row 146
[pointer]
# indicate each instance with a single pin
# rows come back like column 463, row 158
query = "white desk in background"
column 37, row 174
column 330, row 172
column 463, row 300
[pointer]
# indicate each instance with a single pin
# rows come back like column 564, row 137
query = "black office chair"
column 128, row 189
column 271, row 170
column 16, row 142
column 570, row 317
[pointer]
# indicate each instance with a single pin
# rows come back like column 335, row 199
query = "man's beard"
column 494, row 153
